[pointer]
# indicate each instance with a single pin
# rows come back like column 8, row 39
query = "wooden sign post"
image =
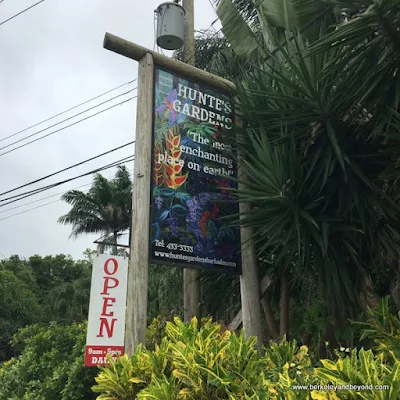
column 140, row 247
column 136, row 321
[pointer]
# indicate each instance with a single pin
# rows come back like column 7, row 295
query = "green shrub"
column 361, row 369
column 204, row 364
column 50, row 366
column 211, row 363
column 383, row 328
column 155, row 332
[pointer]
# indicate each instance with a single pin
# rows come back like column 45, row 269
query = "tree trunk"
column 284, row 317
column 191, row 295
column 269, row 317
column 100, row 248
column 395, row 287
column 368, row 296
column 115, row 248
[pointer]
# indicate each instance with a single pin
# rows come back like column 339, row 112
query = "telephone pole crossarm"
column 136, row 52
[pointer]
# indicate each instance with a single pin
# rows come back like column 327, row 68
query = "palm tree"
column 319, row 150
column 105, row 209
column 255, row 29
column 314, row 105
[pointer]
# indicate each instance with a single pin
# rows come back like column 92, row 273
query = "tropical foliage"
column 41, row 290
column 211, row 363
column 50, row 365
column 19, row 306
column 320, row 143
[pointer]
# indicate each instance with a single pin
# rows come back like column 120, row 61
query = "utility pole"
column 191, row 277
column 136, row 319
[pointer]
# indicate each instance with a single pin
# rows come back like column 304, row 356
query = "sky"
column 52, row 59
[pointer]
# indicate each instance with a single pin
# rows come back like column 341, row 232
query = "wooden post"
column 265, row 283
column 136, row 52
column 191, row 277
column 136, row 322
column 250, row 286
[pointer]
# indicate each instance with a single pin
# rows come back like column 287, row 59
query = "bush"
column 18, row 307
column 211, row 363
column 50, row 366
column 204, row 364
column 361, row 368
column 383, row 328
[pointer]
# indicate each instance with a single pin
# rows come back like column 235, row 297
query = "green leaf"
column 179, row 210
column 238, row 33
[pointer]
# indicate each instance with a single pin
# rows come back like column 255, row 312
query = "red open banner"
column 106, row 324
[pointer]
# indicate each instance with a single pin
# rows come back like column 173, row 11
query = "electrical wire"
column 47, row 197
column 21, row 12
column 43, row 198
column 68, row 126
column 67, row 119
column 69, row 109
column 43, row 188
column 67, row 168
column 55, row 201
column 212, row 6
column 31, row 209
column 154, row 30
column 30, row 193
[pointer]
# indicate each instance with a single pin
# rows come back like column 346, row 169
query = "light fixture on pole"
column 170, row 25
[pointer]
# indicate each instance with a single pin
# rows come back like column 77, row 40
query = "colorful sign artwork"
column 192, row 164
column 106, row 324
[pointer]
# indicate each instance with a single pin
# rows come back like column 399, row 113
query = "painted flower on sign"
column 159, row 202
column 168, row 107
column 173, row 166
column 173, row 225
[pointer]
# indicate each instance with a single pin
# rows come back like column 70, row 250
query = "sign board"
column 191, row 163
column 106, row 324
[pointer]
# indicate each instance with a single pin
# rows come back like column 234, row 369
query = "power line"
column 51, row 202
column 30, row 193
column 65, row 127
column 69, row 109
column 67, row 119
column 67, row 168
column 47, row 197
column 31, row 209
column 21, row 12
column 43, row 188
column 43, row 198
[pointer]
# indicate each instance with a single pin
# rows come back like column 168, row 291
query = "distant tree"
column 69, row 301
column 61, row 286
column 165, row 291
column 19, row 307
column 51, row 271
column 50, row 365
column 105, row 209
column 22, row 270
